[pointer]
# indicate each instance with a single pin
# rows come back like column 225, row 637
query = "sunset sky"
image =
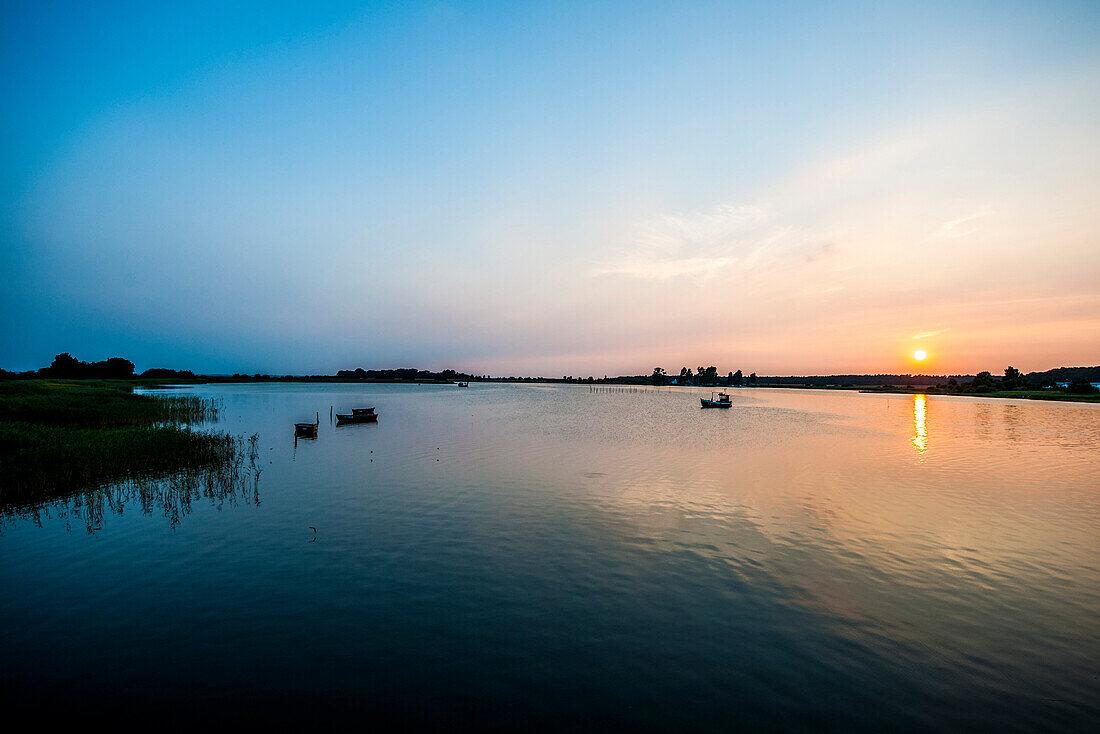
column 579, row 188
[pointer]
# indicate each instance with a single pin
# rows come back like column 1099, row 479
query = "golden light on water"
column 920, row 428
column 920, row 355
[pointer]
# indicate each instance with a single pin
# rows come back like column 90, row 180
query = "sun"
column 920, row 355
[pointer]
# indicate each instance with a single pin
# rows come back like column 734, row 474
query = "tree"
column 1012, row 378
column 752, row 378
column 710, row 375
column 65, row 365
column 737, row 378
column 119, row 367
column 659, row 376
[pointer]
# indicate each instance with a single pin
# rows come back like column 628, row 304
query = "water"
column 526, row 556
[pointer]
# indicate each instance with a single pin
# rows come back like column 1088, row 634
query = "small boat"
column 307, row 430
column 464, row 384
column 722, row 401
column 357, row 415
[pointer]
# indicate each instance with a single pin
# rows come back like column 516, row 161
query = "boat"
column 307, row 430
column 722, row 401
column 357, row 415
column 464, row 384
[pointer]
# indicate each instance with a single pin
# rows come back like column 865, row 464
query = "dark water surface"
column 524, row 556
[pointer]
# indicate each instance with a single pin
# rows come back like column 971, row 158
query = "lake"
column 528, row 556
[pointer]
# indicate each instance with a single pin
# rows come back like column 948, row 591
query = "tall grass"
column 229, row 480
column 93, row 404
column 61, row 438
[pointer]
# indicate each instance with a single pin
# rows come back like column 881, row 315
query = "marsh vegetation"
column 95, row 445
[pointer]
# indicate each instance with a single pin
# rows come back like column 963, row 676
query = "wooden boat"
column 722, row 401
column 307, row 430
column 357, row 416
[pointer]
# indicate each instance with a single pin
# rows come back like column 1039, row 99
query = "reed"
column 88, row 404
column 60, row 438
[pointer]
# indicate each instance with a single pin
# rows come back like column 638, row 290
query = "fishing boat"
column 721, row 401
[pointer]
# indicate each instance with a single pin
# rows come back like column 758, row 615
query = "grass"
column 95, row 404
column 1030, row 394
column 58, row 438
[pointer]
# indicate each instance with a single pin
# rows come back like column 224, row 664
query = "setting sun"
column 920, row 355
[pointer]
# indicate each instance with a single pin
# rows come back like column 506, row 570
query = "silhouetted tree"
column 65, row 365
column 736, row 378
column 658, row 376
column 983, row 378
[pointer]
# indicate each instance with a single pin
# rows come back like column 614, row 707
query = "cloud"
column 706, row 244
column 955, row 228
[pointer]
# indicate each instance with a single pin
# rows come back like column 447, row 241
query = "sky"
column 588, row 188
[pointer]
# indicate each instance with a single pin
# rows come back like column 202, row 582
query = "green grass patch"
column 95, row 404
column 58, row 438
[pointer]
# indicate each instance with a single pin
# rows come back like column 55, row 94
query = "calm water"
column 522, row 555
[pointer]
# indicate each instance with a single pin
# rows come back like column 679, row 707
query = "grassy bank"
column 61, row 437
column 1035, row 394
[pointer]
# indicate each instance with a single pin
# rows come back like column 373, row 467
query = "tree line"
column 703, row 376
column 1012, row 379
column 1077, row 380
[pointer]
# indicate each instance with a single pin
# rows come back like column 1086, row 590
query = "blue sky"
column 582, row 188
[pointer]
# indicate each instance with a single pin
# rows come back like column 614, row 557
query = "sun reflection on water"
column 920, row 428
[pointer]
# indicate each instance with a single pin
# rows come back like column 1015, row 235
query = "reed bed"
column 232, row 479
column 93, row 404
column 60, row 439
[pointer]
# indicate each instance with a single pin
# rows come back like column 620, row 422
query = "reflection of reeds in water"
column 231, row 480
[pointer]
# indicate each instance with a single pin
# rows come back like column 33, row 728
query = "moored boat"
column 357, row 415
column 307, row 430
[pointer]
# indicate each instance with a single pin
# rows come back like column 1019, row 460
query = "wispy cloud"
column 962, row 226
column 707, row 244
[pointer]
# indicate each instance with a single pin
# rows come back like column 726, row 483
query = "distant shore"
column 1036, row 394
column 1063, row 384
